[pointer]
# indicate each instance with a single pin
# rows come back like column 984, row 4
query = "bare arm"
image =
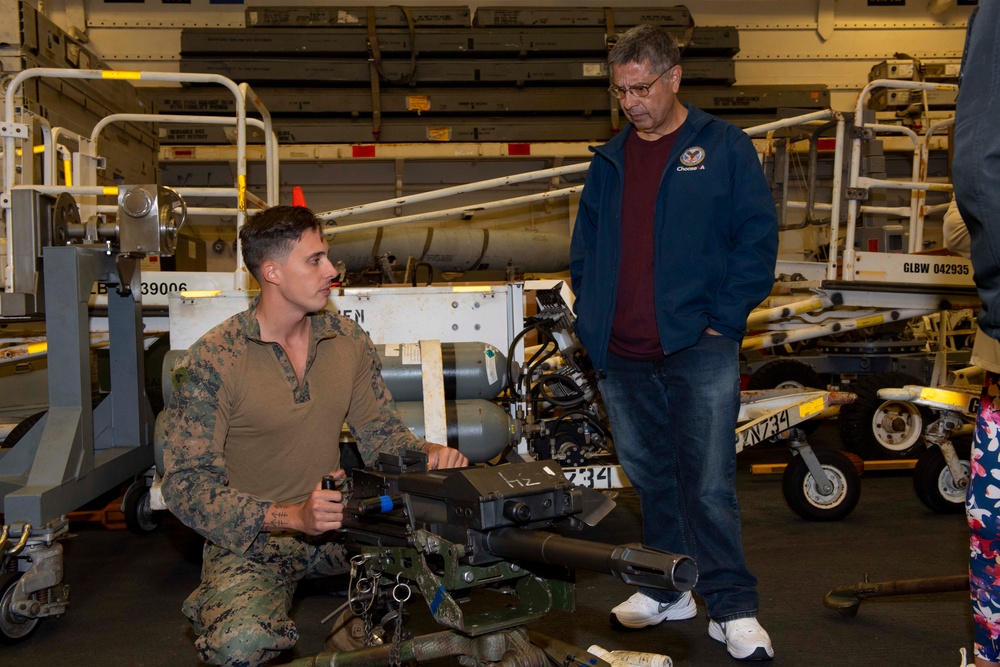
column 322, row 511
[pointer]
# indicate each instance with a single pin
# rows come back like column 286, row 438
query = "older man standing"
column 675, row 243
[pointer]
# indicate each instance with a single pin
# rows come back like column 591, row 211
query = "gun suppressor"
column 634, row 564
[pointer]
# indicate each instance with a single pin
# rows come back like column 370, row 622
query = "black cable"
column 512, row 349
column 575, row 396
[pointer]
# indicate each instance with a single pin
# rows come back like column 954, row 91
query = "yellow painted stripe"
column 120, row 74
column 199, row 293
column 471, row 288
column 767, row 468
column 953, row 398
column 813, row 407
column 810, row 306
column 241, row 185
column 773, row 468
column 870, row 321
column 35, row 348
column 111, row 190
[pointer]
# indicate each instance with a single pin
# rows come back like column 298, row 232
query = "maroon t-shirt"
column 634, row 334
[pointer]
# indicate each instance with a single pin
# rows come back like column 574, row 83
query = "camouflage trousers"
column 240, row 610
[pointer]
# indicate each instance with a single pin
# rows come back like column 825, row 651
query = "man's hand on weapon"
column 439, row 457
column 321, row 512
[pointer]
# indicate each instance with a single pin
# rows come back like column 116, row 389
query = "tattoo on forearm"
column 279, row 515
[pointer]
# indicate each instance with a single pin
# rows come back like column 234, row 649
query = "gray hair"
column 646, row 42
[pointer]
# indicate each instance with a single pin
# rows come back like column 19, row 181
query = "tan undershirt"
column 278, row 448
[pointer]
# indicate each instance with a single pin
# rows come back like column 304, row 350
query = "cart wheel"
column 934, row 483
column 804, row 497
column 785, row 374
column 13, row 629
column 874, row 428
column 139, row 519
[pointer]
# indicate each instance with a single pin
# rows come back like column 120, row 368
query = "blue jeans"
column 673, row 421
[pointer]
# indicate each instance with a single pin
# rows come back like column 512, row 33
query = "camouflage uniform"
column 240, row 610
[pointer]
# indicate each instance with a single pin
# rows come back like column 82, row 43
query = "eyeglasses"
column 640, row 90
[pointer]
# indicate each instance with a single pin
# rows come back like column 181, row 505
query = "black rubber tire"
column 788, row 374
column 934, row 483
column 21, row 429
column 12, row 630
column 139, row 519
column 784, row 373
column 859, row 434
column 799, row 488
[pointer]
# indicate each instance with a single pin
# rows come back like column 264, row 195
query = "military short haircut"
column 270, row 234
column 646, row 42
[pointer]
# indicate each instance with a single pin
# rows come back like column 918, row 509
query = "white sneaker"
column 641, row 611
column 743, row 637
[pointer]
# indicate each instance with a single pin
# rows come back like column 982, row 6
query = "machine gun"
column 482, row 530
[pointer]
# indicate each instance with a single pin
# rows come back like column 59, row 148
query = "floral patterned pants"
column 981, row 505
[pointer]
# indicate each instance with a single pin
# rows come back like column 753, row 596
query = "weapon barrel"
column 634, row 564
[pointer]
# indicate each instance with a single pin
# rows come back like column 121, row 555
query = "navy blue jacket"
column 715, row 236
column 976, row 167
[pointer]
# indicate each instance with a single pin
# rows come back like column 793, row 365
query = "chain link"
column 366, row 579
column 400, row 593
column 362, row 591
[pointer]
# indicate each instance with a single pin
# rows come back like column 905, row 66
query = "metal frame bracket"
column 16, row 130
column 865, row 133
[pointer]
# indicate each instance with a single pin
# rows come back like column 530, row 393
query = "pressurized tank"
column 471, row 370
column 454, row 249
column 478, row 428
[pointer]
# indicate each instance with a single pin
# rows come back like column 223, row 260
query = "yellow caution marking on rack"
column 438, row 134
column 418, row 103
column 37, row 348
column 471, row 288
column 120, row 74
column 111, row 190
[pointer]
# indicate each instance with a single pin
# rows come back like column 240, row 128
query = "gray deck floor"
column 127, row 589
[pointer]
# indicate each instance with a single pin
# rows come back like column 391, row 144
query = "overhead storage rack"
column 536, row 100
column 427, row 74
column 939, row 70
column 516, row 42
column 319, row 17
column 439, row 71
